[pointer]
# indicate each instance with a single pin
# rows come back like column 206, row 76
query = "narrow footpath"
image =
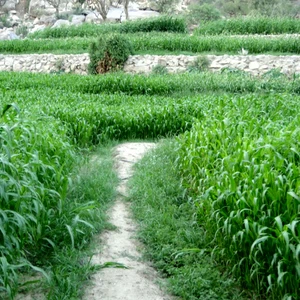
column 139, row 281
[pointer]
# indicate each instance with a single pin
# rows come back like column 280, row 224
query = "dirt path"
column 138, row 282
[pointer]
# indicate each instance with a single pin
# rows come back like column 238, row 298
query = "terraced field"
column 218, row 202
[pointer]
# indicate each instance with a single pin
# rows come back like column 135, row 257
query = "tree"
column 55, row 4
column 102, row 6
column 2, row 2
column 126, row 3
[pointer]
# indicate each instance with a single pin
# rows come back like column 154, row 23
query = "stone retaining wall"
column 77, row 64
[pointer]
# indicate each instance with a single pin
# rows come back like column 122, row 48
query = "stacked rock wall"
column 77, row 64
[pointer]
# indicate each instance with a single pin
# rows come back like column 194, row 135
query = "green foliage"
column 274, row 73
column 109, row 54
column 41, row 212
column 142, row 42
column 160, row 69
column 128, row 84
column 241, row 163
column 200, row 64
column 237, row 141
column 250, row 25
column 197, row 14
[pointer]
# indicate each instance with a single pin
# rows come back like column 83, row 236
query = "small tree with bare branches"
column 102, row 6
column 55, row 4
column 2, row 2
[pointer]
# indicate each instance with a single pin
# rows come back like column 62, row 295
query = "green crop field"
column 147, row 42
column 218, row 202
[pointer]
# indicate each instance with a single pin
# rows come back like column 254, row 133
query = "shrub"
column 109, row 54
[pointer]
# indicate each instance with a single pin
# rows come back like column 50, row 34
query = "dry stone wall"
column 136, row 64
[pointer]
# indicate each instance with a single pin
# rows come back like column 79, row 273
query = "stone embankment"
column 77, row 64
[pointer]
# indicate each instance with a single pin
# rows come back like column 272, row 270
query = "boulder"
column 78, row 19
column 38, row 28
column 93, row 17
column 60, row 23
column 8, row 35
column 9, row 5
column 114, row 14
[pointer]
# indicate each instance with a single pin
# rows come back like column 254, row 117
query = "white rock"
column 93, row 17
column 38, row 28
column 77, row 19
column 61, row 23
column 253, row 65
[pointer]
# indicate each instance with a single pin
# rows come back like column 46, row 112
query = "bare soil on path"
column 139, row 281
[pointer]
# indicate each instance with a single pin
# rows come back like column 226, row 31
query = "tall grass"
column 39, row 214
column 162, row 23
column 187, row 83
column 242, row 164
column 142, row 42
column 250, row 25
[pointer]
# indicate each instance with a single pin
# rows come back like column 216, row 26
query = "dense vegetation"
column 147, row 42
column 80, row 111
column 223, row 195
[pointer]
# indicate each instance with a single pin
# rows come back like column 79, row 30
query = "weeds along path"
column 139, row 280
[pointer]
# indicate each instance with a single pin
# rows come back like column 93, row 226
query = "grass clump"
column 160, row 70
column 200, row 64
column 169, row 228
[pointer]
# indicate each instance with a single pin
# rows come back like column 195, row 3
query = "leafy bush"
column 109, row 54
